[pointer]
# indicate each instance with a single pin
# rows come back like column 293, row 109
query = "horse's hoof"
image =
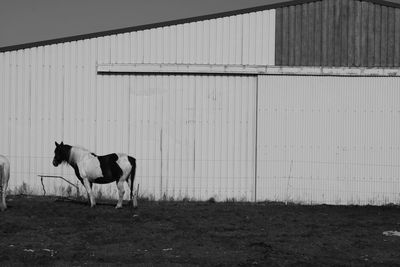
column 118, row 207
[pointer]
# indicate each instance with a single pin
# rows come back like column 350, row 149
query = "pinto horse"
column 90, row 168
column 4, row 177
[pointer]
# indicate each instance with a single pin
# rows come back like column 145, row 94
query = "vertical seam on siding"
column 256, row 139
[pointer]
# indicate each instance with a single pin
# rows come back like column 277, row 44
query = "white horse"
column 4, row 177
column 90, row 168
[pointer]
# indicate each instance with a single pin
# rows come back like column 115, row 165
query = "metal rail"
column 55, row 177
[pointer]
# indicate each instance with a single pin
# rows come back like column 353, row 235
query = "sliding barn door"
column 194, row 136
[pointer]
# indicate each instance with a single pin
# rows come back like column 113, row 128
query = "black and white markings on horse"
column 110, row 169
column 90, row 168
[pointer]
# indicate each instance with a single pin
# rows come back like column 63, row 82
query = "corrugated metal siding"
column 194, row 136
column 242, row 39
column 30, row 115
column 53, row 93
column 329, row 139
column 338, row 33
column 44, row 95
column 4, row 107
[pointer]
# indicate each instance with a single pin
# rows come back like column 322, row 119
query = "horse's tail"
column 132, row 161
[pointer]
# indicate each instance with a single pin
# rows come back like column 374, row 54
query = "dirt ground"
column 52, row 231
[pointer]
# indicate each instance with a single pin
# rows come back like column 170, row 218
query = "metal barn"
column 297, row 101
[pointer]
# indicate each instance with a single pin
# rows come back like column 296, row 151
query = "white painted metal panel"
column 193, row 136
column 329, row 139
column 320, row 139
column 144, row 132
column 247, row 39
column 17, row 118
column 53, row 93
column 46, row 94
column 26, row 117
column 110, row 127
column 4, row 108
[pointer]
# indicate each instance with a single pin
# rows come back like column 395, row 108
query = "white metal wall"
column 52, row 93
column 320, row 139
column 194, row 136
column 246, row 39
column 31, row 117
column 329, row 139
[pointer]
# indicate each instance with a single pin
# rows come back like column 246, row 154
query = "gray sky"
column 26, row 21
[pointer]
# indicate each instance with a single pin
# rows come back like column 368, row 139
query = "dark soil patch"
column 50, row 231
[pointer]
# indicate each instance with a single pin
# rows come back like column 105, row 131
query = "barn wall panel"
column 144, row 132
column 377, row 30
column 384, row 37
column 46, row 94
column 354, row 33
column 351, row 33
column 25, row 71
column 357, row 34
column 193, row 136
column 344, row 28
column 18, row 117
column 397, row 38
column 328, row 139
column 4, row 100
column 241, row 39
column 109, row 130
column 390, row 35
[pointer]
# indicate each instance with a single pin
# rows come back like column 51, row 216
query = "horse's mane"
column 80, row 150
column 84, row 149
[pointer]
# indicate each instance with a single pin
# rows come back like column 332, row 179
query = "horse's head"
column 61, row 153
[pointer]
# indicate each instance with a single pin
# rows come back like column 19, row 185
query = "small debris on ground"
column 392, row 233
column 49, row 250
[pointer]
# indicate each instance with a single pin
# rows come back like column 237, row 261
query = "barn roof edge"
column 173, row 22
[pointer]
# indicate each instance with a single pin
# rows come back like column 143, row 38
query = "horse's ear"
column 56, row 143
column 62, row 143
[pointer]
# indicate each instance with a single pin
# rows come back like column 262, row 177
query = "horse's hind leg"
column 88, row 186
column 133, row 194
column 121, row 192
column 4, row 177
column 2, row 189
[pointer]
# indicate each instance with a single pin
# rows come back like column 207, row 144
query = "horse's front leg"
column 3, row 188
column 88, row 187
column 3, row 191
column 121, row 192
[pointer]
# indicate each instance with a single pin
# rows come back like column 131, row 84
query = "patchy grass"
column 53, row 231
